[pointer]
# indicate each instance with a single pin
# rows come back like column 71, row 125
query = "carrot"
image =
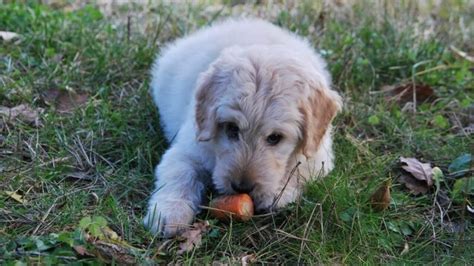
column 239, row 207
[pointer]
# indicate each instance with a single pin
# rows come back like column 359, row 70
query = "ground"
column 79, row 135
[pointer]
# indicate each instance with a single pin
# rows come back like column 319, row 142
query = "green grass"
column 115, row 138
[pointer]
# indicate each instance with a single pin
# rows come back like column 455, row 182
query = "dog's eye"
column 232, row 131
column 274, row 139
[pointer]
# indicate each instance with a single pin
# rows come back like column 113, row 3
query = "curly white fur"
column 221, row 92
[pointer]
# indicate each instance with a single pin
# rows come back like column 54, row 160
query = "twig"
column 53, row 162
column 305, row 232
column 294, row 237
column 462, row 54
column 278, row 197
column 46, row 215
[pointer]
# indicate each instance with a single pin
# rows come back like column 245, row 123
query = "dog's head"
column 261, row 107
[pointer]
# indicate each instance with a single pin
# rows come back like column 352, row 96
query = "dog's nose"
column 242, row 187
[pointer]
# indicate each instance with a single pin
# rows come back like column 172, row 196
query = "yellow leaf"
column 110, row 234
column 16, row 196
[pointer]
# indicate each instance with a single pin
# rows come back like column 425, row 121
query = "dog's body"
column 242, row 103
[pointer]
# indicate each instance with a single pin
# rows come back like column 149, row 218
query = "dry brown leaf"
column 65, row 101
column 193, row 236
column 69, row 102
column 16, row 196
column 419, row 170
column 419, row 178
column 415, row 186
column 380, row 199
column 8, row 35
column 22, row 112
column 111, row 251
column 81, row 250
column 404, row 93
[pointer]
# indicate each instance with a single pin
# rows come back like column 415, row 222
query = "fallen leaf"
column 8, row 35
column 419, row 170
column 380, row 199
column 16, row 196
column 112, row 251
column 248, row 259
column 81, row 250
column 193, row 236
column 65, row 100
column 403, row 93
column 22, row 112
column 110, row 234
column 415, row 186
column 421, row 178
column 67, row 103
column 460, row 166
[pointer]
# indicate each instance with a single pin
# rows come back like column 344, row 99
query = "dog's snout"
column 243, row 186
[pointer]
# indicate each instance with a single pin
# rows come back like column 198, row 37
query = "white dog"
column 247, row 108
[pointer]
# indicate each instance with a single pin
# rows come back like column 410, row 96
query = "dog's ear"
column 318, row 112
column 206, row 100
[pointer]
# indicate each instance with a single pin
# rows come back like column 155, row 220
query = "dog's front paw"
column 168, row 218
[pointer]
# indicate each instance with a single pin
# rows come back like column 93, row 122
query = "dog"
column 247, row 108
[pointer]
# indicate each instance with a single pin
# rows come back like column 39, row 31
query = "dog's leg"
column 177, row 195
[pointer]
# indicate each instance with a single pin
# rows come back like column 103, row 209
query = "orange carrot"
column 239, row 206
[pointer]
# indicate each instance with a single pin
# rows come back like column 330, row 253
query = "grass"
column 115, row 140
